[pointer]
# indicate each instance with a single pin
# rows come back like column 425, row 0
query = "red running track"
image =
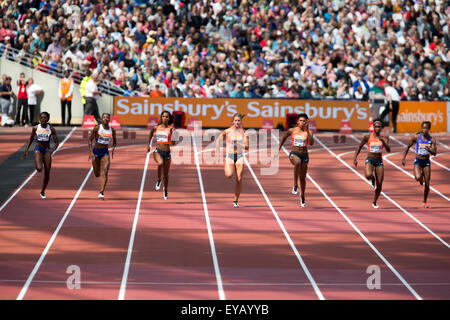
column 11, row 141
column 172, row 257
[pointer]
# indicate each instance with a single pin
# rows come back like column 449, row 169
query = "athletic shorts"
column 304, row 157
column 41, row 150
column 100, row 152
column 375, row 162
column 235, row 156
column 164, row 154
column 422, row 162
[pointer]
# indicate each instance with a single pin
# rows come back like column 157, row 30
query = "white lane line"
column 126, row 269
column 385, row 195
column 208, row 224
column 286, row 234
column 441, row 144
column 52, row 239
column 431, row 158
column 34, row 172
column 378, row 253
column 442, row 153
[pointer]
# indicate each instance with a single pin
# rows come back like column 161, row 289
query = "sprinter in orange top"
column 302, row 137
column 374, row 161
column 236, row 143
column 163, row 133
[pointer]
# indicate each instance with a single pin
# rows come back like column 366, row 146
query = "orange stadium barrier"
column 328, row 114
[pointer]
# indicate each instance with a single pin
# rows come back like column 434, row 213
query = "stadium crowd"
column 339, row 49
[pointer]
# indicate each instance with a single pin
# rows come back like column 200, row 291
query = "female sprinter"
column 236, row 143
column 99, row 155
column 163, row 132
column 302, row 137
column 42, row 150
column 374, row 160
column 425, row 145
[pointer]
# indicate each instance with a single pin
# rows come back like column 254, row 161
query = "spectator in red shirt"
column 92, row 60
column 168, row 79
column 22, row 101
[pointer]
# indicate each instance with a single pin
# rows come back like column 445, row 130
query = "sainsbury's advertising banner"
column 328, row 114
column 412, row 113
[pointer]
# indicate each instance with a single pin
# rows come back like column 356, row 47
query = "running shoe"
column 101, row 195
column 158, row 185
column 43, row 195
column 294, row 190
column 421, row 180
column 373, row 182
column 425, row 205
column 303, row 202
column 235, row 204
column 374, row 204
column 166, row 196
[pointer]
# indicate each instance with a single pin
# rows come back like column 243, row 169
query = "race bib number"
column 422, row 149
column 299, row 142
column 375, row 148
column 104, row 139
column 43, row 135
column 162, row 138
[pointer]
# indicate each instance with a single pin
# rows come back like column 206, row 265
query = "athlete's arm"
column 114, row 142
column 150, row 136
column 286, row 135
column 246, row 141
column 219, row 140
column 358, row 149
column 55, row 140
column 172, row 130
column 92, row 137
column 411, row 142
column 433, row 149
column 310, row 135
column 384, row 141
column 30, row 141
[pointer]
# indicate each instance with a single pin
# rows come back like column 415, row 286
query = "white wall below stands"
column 49, row 100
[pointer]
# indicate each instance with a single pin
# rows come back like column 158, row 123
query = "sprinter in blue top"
column 42, row 151
column 425, row 146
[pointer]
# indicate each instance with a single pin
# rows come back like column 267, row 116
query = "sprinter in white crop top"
column 42, row 151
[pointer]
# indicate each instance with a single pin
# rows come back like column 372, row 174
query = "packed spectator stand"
column 339, row 49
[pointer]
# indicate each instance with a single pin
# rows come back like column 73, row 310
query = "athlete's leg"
column 47, row 166
column 427, row 178
column 369, row 171
column 303, row 173
column 104, row 165
column 418, row 173
column 229, row 168
column 166, row 167
column 239, row 173
column 38, row 160
column 96, row 166
column 296, row 162
column 379, row 174
column 159, row 162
